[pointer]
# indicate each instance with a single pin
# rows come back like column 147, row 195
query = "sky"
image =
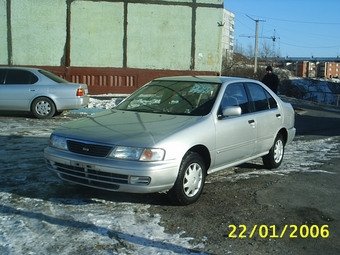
column 302, row 28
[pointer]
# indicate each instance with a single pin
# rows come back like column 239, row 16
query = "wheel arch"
column 284, row 134
column 204, row 153
column 42, row 96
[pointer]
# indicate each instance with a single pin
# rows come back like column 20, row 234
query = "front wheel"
column 190, row 180
column 275, row 156
column 43, row 108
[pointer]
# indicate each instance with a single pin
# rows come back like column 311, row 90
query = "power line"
column 306, row 22
column 311, row 47
column 295, row 21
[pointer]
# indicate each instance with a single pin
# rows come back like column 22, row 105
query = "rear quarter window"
column 53, row 77
column 271, row 100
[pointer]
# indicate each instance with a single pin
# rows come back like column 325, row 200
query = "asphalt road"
column 314, row 121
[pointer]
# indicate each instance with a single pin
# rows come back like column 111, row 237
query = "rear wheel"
column 275, row 156
column 43, row 108
column 190, row 180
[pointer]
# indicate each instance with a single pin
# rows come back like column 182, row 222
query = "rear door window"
column 20, row 77
column 2, row 75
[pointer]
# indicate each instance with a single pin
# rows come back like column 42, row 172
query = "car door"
column 267, row 114
column 18, row 89
column 236, row 135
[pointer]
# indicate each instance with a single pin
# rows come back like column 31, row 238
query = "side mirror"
column 231, row 111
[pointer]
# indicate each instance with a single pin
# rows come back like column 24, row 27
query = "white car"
column 171, row 133
column 39, row 92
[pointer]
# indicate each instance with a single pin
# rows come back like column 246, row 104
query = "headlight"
column 134, row 153
column 58, row 142
column 152, row 155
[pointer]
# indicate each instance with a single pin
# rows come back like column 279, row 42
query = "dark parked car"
column 39, row 91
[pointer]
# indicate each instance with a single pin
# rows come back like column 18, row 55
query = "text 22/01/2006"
column 272, row 231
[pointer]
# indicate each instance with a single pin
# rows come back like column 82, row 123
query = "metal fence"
column 323, row 97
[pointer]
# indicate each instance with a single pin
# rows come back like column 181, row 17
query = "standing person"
column 271, row 79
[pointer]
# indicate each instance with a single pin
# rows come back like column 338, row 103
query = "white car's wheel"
column 43, row 108
column 190, row 180
column 275, row 156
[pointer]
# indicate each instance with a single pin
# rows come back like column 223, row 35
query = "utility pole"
column 273, row 38
column 256, row 41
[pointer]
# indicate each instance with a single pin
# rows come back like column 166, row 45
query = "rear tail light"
column 80, row 92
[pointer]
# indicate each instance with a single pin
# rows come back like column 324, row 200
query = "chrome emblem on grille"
column 86, row 149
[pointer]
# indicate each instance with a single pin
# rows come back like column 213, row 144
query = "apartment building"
column 313, row 67
column 331, row 69
column 228, row 24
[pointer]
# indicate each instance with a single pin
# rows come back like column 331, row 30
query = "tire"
column 190, row 180
column 275, row 156
column 43, row 108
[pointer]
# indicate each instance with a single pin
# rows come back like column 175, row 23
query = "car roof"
column 20, row 68
column 203, row 78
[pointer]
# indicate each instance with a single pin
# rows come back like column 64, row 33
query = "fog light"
column 139, row 180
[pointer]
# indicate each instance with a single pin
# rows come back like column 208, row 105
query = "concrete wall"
column 97, row 34
column 169, row 35
column 3, row 31
column 38, row 32
column 114, row 46
column 208, row 40
column 165, row 39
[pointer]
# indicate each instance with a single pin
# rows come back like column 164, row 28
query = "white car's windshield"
column 173, row 97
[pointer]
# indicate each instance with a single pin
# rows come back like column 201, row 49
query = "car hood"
column 125, row 127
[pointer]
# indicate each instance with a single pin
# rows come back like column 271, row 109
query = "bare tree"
column 250, row 51
column 267, row 50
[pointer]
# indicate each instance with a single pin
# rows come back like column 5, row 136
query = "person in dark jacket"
column 271, row 79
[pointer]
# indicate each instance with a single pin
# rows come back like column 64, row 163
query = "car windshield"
column 53, row 77
column 173, row 97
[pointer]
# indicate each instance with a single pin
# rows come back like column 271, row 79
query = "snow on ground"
column 46, row 223
column 300, row 156
column 36, row 220
column 325, row 91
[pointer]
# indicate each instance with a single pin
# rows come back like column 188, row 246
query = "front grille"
column 90, row 177
column 89, row 149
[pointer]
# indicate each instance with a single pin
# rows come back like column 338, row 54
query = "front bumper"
column 112, row 174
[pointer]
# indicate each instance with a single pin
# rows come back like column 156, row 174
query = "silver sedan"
column 171, row 133
column 39, row 91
